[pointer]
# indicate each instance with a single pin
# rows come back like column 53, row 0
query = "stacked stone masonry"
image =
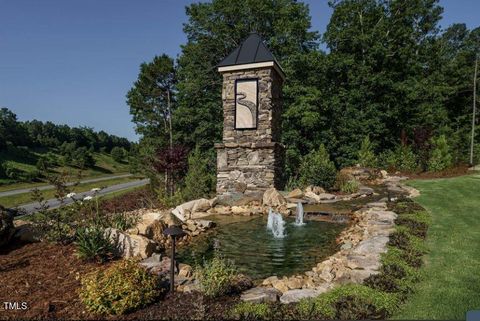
column 251, row 160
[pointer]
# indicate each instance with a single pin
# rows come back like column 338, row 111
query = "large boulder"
column 296, row 295
column 326, row 196
column 202, row 205
column 169, row 219
column 272, row 197
column 184, row 211
column 314, row 189
column 239, row 199
column 151, row 225
column 296, row 193
column 312, row 196
column 241, row 283
column 261, row 295
column 281, row 285
column 128, row 245
column 26, row 232
column 7, row 229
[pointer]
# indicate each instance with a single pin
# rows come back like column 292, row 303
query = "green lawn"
column 25, row 160
column 451, row 283
column 19, row 199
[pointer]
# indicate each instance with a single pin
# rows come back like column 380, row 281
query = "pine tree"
column 366, row 154
column 441, row 157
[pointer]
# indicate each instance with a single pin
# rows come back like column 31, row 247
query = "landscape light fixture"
column 173, row 231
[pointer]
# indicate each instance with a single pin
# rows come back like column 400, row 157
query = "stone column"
column 251, row 160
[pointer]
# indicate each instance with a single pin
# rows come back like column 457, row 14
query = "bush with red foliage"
column 172, row 162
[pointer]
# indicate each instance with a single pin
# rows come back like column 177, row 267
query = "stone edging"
column 359, row 257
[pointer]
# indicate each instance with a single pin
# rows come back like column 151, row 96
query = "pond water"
column 247, row 242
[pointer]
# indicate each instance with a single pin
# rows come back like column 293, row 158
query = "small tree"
column 172, row 162
column 317, row 169
column 82, row 158
column 402, row 158
column 366, row 155
column 441, row 157
column 200, row 179
column 118, row 154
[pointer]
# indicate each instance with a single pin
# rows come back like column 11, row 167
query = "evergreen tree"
column 366, row 154
column 317, row 169
column 441, row 157
column 200, row 179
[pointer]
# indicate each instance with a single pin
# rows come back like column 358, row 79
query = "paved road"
column 54, row 203
column 46, row 187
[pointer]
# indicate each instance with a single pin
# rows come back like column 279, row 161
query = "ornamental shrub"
column 93, row 244
column 216, row 277
column 405, row 206
column 441, row 157
column 250, row 311
column 349, row 302
column 122, row 220
column 415, row 227
column 122, row 287
column 346, row 183
column 366, row 154
column 350, row 186
column 317, row 169
column 401, row 158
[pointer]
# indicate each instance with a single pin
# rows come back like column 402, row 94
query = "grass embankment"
column 24, row 198
column 451, row 283
column 25, row 161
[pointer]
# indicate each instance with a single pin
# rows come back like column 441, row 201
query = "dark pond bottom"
column 255, row 251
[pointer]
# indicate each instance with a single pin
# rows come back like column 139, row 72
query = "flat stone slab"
column 292, row 296
column 326, row 196
column 381, row 217
column 377, row 204
column 365, row 190
column 375, row 245
column 260, row 295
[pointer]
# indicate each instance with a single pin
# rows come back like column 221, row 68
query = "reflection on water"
column 257, row 253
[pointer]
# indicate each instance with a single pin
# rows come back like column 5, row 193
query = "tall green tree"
column 213, row 30
column 152, row 100
column 380, row 62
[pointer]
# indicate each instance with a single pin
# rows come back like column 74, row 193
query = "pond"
column 247, row 242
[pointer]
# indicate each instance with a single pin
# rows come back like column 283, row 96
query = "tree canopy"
column 36, row 134
column 390, row 73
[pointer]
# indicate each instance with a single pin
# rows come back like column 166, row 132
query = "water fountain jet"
column 276, row 224
column 299, row 215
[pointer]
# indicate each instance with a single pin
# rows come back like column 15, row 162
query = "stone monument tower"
column 250, row 158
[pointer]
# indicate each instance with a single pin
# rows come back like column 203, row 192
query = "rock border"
column 359, row 256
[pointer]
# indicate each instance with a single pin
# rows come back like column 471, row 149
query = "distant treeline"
column 38, row 134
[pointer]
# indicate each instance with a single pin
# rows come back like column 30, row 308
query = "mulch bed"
column 185, row 306
column 46, row 277
column 451, row 172
column 43, row 275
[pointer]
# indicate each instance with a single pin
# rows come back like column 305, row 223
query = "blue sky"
column 73, row 61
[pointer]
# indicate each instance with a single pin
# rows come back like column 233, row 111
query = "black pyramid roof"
column 252, row 50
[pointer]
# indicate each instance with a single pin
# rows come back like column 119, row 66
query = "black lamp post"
column 173, row 231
